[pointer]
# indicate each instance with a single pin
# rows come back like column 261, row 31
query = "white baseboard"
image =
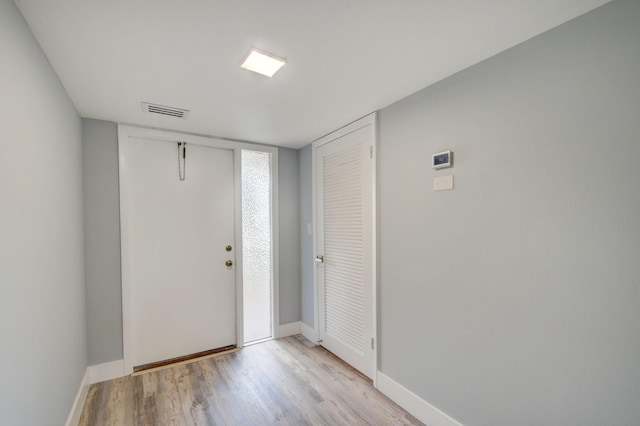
column 286, row 330
column 418, row 407
column 78, row 403
column 309, row 332
column 107, row 371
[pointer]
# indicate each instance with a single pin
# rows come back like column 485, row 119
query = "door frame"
column 368, row 120
column 124, row 133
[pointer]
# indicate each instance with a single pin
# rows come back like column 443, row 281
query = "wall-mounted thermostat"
column 442, row 160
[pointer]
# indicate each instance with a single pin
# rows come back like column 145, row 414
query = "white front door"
column 182, row 295
column 345, row 273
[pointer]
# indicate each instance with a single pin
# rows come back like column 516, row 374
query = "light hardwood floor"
column 281, row 382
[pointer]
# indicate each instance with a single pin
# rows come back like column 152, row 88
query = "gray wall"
column 289, row 236
column 102, row 240
column 306, row 240
column 514, row 299
column 42, row 308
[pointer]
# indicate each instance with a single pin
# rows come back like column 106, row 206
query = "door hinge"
column 372, row 343
column 370, row 152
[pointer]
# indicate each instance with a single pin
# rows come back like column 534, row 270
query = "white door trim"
column 124, row 133
column 369, row 120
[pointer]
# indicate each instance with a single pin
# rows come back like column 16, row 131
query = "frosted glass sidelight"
column 256, row 244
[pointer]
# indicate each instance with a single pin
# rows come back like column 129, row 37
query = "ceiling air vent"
column 165, row 110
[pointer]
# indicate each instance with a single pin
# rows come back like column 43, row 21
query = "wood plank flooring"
column 281, row 382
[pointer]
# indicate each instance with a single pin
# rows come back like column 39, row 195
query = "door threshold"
column 255, row 342
column 181, row 360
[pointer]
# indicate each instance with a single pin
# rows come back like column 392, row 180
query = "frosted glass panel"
column 256, row 244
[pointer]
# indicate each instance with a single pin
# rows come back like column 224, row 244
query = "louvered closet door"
column 344, row 202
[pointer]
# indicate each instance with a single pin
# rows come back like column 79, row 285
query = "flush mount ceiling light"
column 262, row 62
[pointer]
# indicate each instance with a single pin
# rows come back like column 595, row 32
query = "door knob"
column 228, row 263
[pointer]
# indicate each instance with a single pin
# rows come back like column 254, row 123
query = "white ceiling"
column 346, row 58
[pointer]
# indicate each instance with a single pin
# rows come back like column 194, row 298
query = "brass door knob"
column 228, row 263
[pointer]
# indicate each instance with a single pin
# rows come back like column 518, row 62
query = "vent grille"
column 165, row 110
